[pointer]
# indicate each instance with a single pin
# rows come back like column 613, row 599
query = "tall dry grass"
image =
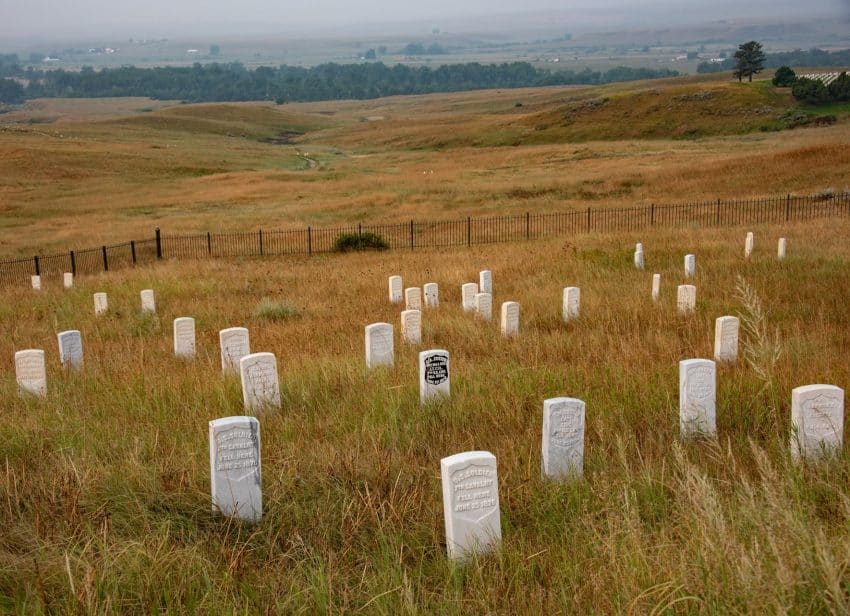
column 105, row 484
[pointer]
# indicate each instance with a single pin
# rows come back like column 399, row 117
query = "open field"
column 105, row 493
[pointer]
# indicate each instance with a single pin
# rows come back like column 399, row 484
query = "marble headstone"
column 686, row 298
column 656, row 287
column 563, row 437
column 235, row 344
column 485, row 282
column 260, row 386
column 30, row 372
column 639, row 259
column 434, row 375
column 36, row 282
column 184, row 337
column 379, row 345
column 413, row 298
column 690, row 266
column 697, row 398
column 817, row 421
column 395, row 289
column 432, row 295
column 411, row 326
column 70, row 349
column 726, row 339
column 235, row 470
column 484, row 306
column 571, row 304
column 748, row 245
column 468, row 292
column 510, row 318
column 68, row 280
column 781, row 248
column 101, row 304
column 148, row 301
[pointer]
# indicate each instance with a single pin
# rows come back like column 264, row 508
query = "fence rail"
column 413, row 234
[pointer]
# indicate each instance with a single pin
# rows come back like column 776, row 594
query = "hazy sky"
column 21, row 19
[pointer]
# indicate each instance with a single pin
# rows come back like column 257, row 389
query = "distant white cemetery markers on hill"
column 510, row 318
column 470, row 503
column 432, row 295
column 817, row 421
column 656, row 287
column 235, row 469
column 484, row 306
column 468, row 292
column 781, row 248
column 563, row 437
column 148, row 301
column 686, row 298
column 697, row 398
column 68, row 280
column 571, row 304
column 726, row 339
column 260, row 385
column 411, row 326
column 690, row 266
column 485, row 282
column 413, row 298
column 395, row 289
column 379, row 345
column 235, row 345
column 30, row 372
column 184, row 337
column 101, row 305
column 434, row 375
column 639, row 259
column 70, row 349
column 36, row 282
column 748, row 245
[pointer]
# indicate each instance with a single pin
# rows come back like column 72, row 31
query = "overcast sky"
column 21, row 19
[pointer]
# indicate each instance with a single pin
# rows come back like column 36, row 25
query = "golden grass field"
column 104, row 491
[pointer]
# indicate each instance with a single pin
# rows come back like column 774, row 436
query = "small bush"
column 784, row 77
column 360, row 241
column 272, row 310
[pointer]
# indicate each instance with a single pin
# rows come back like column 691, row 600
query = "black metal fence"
column 410, row 235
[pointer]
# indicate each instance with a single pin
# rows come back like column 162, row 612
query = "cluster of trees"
column 798, row 57
column 813, row 91
column 233, row 82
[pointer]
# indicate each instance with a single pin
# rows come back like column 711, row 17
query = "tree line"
column 235, row 82
column 798, row 57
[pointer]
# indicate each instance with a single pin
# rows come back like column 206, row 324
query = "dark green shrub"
column 840, row 88
column 810, row 91
column 360, row 241
column 784, row 77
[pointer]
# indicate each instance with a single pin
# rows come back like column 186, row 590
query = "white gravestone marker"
column 639, row 247
column 395, row 289
column 484, row 306
column 572, row 300
column 470, row 503
column 468, row 291
column 781, row 248
column 748, row 245
column 563, row 437
column 686, row 298
column 434, row 375
column 411, row 326
column 30, row 372
column 68, row 280
column 510, row 318
column 260, row 387
column 379, row 345
column 235, row 470
column 101, row 305
column 36, row 282
column 413, row 298
column 71, row 349
column 184, row 337
column 235, row 344
column 697, row 395
column 485, row 282
column 639, row 259
column 817, row 421
column 690, row 266
column 726, row 339
column 148, row 301
column 656, row 287
column 432, row 295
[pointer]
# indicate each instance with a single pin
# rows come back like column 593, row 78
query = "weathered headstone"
column 36, row 282
column 260, row 386
column 432, row 295
column 411, row 326
column 484, row 306
column 639, row 247
column 656, row 287
column 571, row 305
column 235, row 344
column 70, row 349
column 563, row 437
column 470, row 503
column 395, row 289
column 686, row 298
column 639, row 259
column 817, row 421
column 748, row 245
column 726, row 339
column 690, row 266
column 434, row 375
column 235, row 469
column 379, row 345
column 30, row 372
column 781, row 248
column 413, row 298
column 148, row 301
column 485, row 282
column 697, row 395
column 68, row 280
column 101, row 304
column 184, row 337
column 468, row 292
column 510, row 318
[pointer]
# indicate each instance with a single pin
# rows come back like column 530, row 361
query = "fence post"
column 209, row 244
column 468, row 231
column 37, row 267
column 309, row 242
column 105, row 260
column 652, row 214
column 411, row 234
column 717, row 214
column 158, row 243
column 73, row 264
column 261, row 242
column 787, row 207
column 588, row 220
column 527, row 226
column 133, row 250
